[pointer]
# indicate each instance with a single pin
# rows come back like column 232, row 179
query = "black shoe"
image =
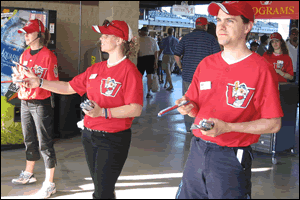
column 170, row 89
column 149, row 96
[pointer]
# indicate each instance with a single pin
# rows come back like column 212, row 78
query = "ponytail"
column 131, row 48
column 45, row 38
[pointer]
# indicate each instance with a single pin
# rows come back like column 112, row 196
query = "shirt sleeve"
column 162, row 44
column 78, row 83
column 133, row 87
column 267, row 97
column 289, row 66
column 52, row 73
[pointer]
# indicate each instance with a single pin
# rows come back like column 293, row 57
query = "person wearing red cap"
column 36, row 110
column 115, row 89
column 278, row 56
column 236, row 91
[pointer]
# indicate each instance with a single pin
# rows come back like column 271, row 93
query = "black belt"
column 96, row 130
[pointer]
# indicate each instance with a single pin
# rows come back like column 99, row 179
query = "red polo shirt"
column 240, row 92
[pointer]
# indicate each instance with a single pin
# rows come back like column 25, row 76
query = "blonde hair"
column 130, row 49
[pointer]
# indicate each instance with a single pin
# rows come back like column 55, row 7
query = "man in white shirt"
column 148, row 56
column 292, row 45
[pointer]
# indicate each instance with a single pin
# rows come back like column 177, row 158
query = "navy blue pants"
column 105, row 154
column 215, row 172
column 38, row 129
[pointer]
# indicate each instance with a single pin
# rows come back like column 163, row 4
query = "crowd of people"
column 224, row 81
column 169, row 46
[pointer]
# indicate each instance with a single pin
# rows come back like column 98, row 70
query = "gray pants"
column 187, row 119
column 37, row 126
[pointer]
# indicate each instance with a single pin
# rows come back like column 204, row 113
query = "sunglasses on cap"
column 107, row 23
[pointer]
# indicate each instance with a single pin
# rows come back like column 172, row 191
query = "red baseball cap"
column 117, row 28
column 33, row 26
column 275, row 36
column 234, row 8
column 201, row 21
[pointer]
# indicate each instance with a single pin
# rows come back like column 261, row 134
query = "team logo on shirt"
column 239, row 95
column 55, row 70
column 109, row 87
column 39, row 71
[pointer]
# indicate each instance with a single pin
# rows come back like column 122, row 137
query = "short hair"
column 246, row 21
column 264, row 38
column 254, row 44
column 170, row 31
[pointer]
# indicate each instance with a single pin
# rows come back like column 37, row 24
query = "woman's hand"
column 95, row 112
column 32, row 81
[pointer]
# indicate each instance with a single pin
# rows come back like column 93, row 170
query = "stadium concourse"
column 154, row 166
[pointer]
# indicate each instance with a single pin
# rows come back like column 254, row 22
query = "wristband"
column 109, row 113
column 41, row 82
column 105, row 113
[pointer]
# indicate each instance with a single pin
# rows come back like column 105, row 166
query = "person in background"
column 115, row 88
column 190, row 51
column 262, row 47
column 211, row 29
column 148, row 57
column 167, row 47
column 278, row 56
column 159, row 69
column 292, row 45
column 254, row 46
column 37, row 114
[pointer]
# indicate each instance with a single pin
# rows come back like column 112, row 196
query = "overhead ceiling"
column 156, row 4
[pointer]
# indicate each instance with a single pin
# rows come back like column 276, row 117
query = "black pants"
column 106, row 154
column 37, row 126
column 146, row 63
column 215, row 172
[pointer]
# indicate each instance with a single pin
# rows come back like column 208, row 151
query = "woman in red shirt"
column 115, row 88
column 36, row 111
column 278, row 56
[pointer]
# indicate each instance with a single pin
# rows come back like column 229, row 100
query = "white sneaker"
column 24, row 178
column 46, row 191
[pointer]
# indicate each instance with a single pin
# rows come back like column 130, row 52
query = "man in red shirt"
column 278, row 56
column 237, row 90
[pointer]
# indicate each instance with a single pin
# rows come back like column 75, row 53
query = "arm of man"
column 178, row 61
column 260, row 126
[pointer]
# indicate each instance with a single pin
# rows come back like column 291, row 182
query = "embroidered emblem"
column 55, row 70
column 109, row 87
column 39, row 71
column 239, row 95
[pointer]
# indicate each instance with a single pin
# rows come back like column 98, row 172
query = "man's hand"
column 278, row 71
column 184, row 109
column 95, row 112
column 155, row 66
column 32, row 81
column 220, row 127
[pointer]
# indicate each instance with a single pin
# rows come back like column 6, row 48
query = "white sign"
column 183, row 10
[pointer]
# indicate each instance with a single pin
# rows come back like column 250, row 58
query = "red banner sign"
column 275, row 9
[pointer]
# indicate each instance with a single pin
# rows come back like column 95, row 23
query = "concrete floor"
column 154, row 167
